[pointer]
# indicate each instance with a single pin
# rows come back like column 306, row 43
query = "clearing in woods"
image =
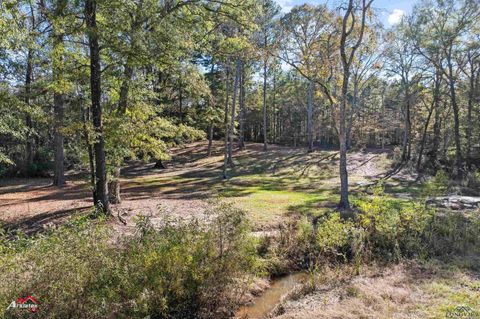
column 282, row 183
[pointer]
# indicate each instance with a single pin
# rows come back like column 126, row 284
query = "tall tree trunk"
column 28, row 118
column 211, row 125
column 424, row 137
column 58, row 100
column 456, row 118
column 354, row 109
column 59, row 171
column 124, row 89
column 241, row 133
column 310, row 115
column 342, row 136
column 180, row 99
column 232, row 115
column 265, row 145
column 101, row 188
column 437, row 124
column 210, row 139
column 226, row 124
column 274, row 109
column 407, row 125
column 471, row 97
column 347, row 59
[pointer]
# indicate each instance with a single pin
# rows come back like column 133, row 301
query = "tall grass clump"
column 176, row 270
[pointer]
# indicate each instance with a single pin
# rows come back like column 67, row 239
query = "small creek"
column 265, row 303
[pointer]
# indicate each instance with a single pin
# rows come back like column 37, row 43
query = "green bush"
column 395, row 229
column 436, row 186
column 181, row 270
column 385, row 229
column 333, row 234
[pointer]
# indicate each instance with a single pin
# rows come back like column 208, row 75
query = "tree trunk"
column 210, row 139
column 437, row 125
column 226, row 124
column 424, row 137
column 344, row 204
column 265, row 146
column 58, row 104
column 407, row 124
column 310, row 115
column 114, row 187
column 456, row 117
column 28, row 118
column 101, row 188
column 180, row 99
column 232, row 115
column 274, row 109
column 342, row 136
column 471, row 97
column 59, row 171
column 124, row 89
column 241, row 133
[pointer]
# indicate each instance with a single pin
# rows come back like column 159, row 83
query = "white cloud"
column 286, row 5
column 396, row 16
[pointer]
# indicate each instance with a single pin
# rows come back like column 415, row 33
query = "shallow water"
column 265, row 303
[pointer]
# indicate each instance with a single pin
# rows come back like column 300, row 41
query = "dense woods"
column 97, row 83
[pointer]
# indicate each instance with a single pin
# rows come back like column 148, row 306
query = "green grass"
column 270, row 187
column 268, row 199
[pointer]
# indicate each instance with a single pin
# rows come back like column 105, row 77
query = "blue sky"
column 390, row 11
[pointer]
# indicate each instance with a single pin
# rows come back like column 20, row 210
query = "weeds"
column 178, row 271
column 384, row 229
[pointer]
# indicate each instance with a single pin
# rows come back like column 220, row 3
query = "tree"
column 306, row 42
column 269, row 11
column 440, row 26
column 348, row 47
column 402, row 63
column 57, row 20
column 101, row 188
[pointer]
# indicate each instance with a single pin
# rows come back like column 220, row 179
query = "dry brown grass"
column 407, row 290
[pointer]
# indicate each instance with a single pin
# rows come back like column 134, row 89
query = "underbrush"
column 179, row 270
column 383, row 229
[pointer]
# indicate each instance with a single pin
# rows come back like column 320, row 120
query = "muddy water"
column 265, row 303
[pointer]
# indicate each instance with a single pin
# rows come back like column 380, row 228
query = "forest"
column 239, row 159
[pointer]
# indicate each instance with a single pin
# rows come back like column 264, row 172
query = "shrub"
column 392, row 228
column 181, row 270
column 333, row 235
column 396, row 229
column 437, row 186
column 385, row 229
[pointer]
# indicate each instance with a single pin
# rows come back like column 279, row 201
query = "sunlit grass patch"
column 266, row 207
